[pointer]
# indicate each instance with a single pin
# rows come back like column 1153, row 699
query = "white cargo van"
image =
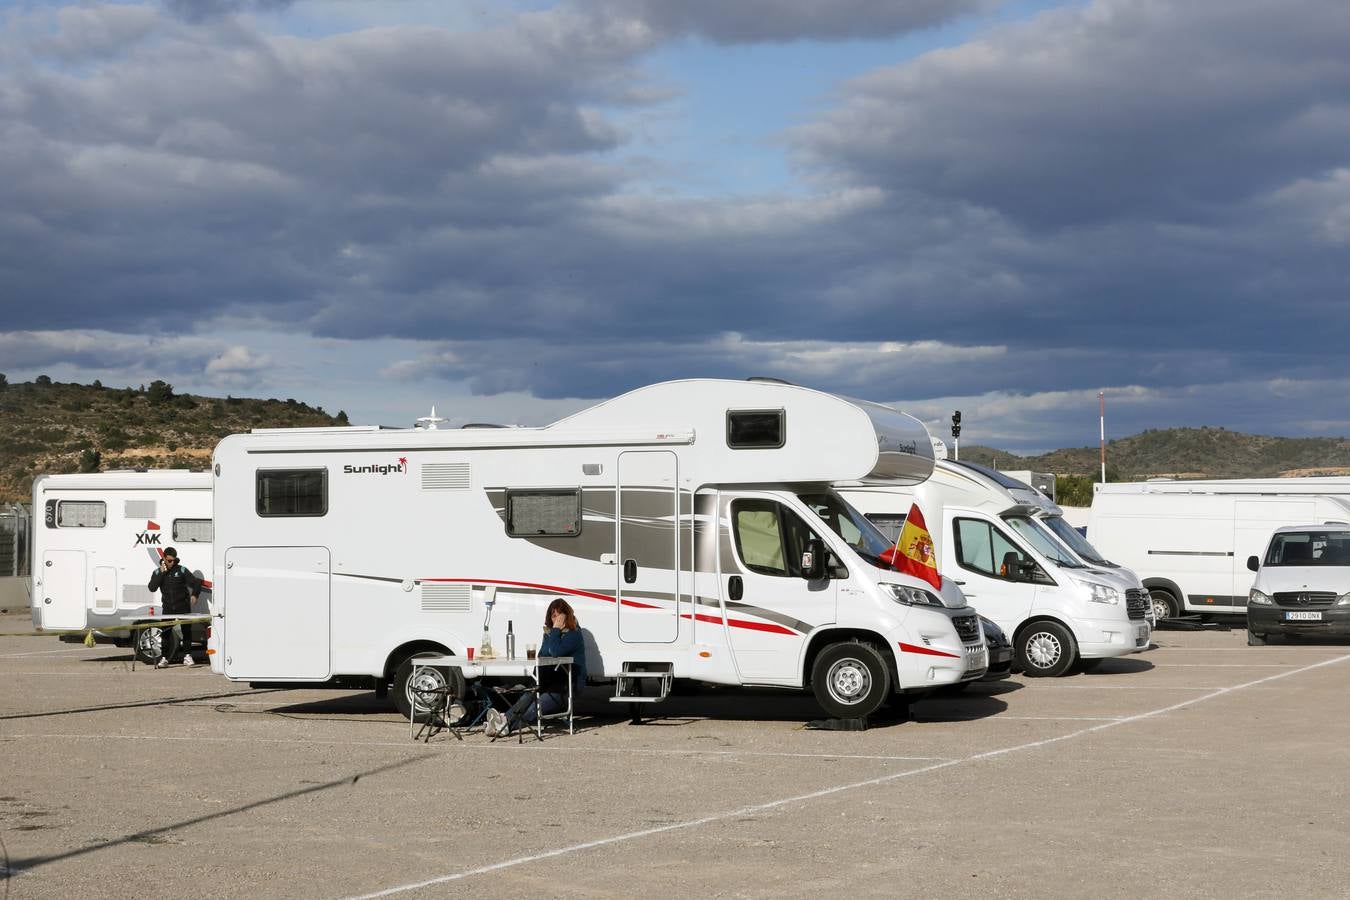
column 1189, row 541
column 98, row 537
column 990, row 533
column 690, row 523
column 1302, row 586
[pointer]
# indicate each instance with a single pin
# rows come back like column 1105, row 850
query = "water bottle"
column 510, row 641
column 486, row 650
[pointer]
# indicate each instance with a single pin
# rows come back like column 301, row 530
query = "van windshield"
column 1309, row 548
column 1046, row 545
column 1069, row 536
column 855, row 528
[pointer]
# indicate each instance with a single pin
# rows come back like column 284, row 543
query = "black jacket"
column 176, row 588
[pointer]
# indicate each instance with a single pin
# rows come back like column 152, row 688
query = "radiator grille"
column 1136, row 605
column 1314, row 599
column 446, row 597
column 968, row 627
column 445, row 477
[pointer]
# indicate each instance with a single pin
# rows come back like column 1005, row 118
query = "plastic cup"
column 529, row 651
column 470, row 652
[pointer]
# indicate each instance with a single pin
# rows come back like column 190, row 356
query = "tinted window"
column 1309, row 548
column 751, row 428
column 192, row 531
column 535, row 513
column 769, row 538
column 292, row 492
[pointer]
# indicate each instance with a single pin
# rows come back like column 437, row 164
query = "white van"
column 1302, row 585
column 1189, row 541
column 98, row 537
column 691, row 524
column 990, row 533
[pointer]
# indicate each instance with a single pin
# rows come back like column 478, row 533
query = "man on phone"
column 177, row 588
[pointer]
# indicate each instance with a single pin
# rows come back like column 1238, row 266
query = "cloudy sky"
column 510, row 209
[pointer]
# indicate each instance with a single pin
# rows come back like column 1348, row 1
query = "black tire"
column 1255, row 639
column 430, row 678
column 850, row 680
column 149, row 645
column 1165, row 603
column 1046, row 650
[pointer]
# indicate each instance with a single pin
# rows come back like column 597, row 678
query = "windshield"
column 1043, row 542
column 1309, row 548
column 849, row 524
column 1069, row 536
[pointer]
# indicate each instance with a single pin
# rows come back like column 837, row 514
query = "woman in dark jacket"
column 562, row 638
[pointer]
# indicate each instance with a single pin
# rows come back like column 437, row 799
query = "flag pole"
column 1101, row 396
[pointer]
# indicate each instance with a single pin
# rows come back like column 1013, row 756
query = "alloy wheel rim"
column 1044, row 650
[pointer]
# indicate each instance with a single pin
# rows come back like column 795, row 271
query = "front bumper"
column 1101, row 638
column 1333, row 621
column 1000, row 663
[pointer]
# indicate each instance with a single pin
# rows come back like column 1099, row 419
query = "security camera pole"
column 956, row 434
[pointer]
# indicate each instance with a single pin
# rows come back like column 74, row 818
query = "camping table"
column 498, row 667
column 143, row 622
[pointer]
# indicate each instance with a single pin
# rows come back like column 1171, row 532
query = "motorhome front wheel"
column 850, row 680
column 1045, row 650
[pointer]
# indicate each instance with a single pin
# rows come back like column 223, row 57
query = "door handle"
column 629, row 571
column 735, row 589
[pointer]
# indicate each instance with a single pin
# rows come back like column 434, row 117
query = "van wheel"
column 1046, row 650
column 423, row 692
column 1165, row 603
column 1255, row 639
column 850, row 680
column 149, row 644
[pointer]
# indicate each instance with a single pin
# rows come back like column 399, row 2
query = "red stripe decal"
column 927, row 651
column 735, row 623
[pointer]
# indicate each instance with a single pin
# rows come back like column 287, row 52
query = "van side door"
column 989, row 562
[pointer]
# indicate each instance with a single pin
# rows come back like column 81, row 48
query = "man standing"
column 177, row 589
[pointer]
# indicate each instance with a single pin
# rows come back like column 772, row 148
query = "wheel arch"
column 1036, row 620
column 827, row 636
column 407, row 649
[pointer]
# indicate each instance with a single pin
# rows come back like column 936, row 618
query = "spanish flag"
column 913, row 553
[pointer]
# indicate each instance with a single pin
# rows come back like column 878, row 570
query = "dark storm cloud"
column 199, row 10
column 776, row 21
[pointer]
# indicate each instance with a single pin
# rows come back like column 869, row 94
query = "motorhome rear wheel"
column 407, row 692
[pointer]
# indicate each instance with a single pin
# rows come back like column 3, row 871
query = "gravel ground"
column 1201, row 768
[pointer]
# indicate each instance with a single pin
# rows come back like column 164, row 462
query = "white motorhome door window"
column 192, row 531
column 81, row 514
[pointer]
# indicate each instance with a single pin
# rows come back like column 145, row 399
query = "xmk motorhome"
column 98, row 537
column 690, row 523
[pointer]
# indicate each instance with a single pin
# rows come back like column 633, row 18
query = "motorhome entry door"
column 648, row 549
column 62, row 589
column 276, row 613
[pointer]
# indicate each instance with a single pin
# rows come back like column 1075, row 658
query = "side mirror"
column 813, row 559
column 1253, row 563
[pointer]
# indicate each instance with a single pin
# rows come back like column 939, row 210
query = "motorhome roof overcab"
column 990, row 533
column 691, row 524
column 98, row 537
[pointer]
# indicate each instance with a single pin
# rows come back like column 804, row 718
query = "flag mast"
column 1101, row 396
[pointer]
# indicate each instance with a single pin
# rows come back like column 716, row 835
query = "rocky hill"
column 48, row 426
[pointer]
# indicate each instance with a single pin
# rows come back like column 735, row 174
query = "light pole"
column 956, row 434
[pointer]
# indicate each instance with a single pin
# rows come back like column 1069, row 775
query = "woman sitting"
column 563, row 638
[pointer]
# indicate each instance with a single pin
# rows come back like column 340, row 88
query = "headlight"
column 1259, row 598
column 910, row 596
column 1101, row 593
column 1343, row 600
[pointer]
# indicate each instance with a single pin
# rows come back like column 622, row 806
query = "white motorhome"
column 691, row 524
column 1005, row 543
column 1189, row 541
column 98, row 537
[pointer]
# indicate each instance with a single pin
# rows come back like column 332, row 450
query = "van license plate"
column 1303, row 617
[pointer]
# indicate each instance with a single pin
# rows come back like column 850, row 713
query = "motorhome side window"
column 81, row 514
column 752, row 429
column 192, row 531
column 983, row 548
column 543, row 513
column 769, row 538
column 292, row 492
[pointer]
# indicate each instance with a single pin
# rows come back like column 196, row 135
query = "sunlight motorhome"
column 996, row 536
column 98, row 537
column 1189, row 541
column 683, row 520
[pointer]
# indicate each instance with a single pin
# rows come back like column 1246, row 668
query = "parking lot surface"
column 1203, row 767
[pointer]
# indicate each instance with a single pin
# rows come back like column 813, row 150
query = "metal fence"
column 16, row 523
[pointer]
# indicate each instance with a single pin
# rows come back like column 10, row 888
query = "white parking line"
column 826, row 792
column 43, row 652
column 496, row 748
